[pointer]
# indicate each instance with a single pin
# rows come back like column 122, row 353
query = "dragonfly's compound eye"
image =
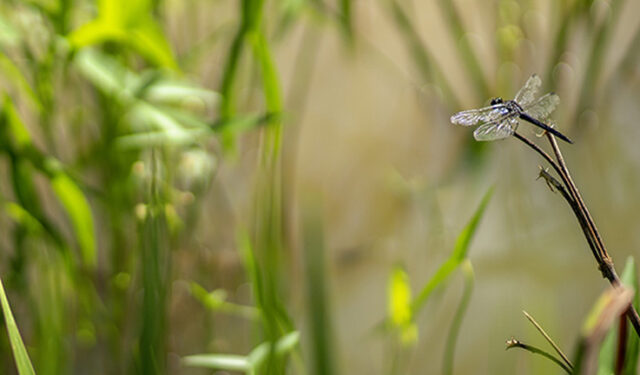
column 495, row 101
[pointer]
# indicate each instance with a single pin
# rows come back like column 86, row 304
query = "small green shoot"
column 457, row 256
column 249, row 364
column 20, row 355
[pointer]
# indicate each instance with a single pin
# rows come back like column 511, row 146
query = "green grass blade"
column 77, row 208
column 452, row 337
column 629, row 278
column 228, row 362
column 457, row 256
column 20, row 355
column 546, row 336
column 346, row 18
column 595, row 61
column 317, row 301
column 13, row 74
column 283, row 346
column 513, row 343
column 423, row 60
column 216, row 301
column 131, row 25
column 465, row 50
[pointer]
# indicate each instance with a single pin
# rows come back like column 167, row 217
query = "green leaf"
column 248, row 364
column 96, row 32
column 217, row 301
column 457, row 256
column 13, row 74
column 605, row 313
column 79, row 212
column 609, row 348
column 23, row 217
column 105, row 73
column 20, row 355
column 129, row 23
column 283, row 347
column 227, row 362
column 148, row 39
column 18, row 134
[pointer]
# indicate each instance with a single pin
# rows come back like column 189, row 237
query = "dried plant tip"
column 511, row 343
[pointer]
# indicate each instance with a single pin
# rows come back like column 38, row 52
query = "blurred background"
column 185, row 177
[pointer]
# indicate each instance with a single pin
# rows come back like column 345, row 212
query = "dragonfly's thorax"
column 513, row 106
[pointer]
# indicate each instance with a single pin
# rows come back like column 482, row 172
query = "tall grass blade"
column 594, row 62
column 454, row 331
column 155, row 266
column 77, row 208
column 457, row 256
column 546, row 336
column 465, row 50
column 317, row 301
column 20, row 355
column 569, row 16
column 422, row 58
column 346, row 18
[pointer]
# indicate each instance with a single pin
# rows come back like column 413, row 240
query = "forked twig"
column 572, row 196
column 513, row 343
column 549, row 340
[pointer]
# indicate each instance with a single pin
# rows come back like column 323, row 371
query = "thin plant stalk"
column 549, row 340
column 513, row 343
column 452, row 338
column 605, row 263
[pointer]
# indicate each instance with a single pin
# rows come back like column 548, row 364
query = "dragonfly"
column 500, row 119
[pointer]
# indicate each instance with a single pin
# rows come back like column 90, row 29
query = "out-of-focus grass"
column 23, row 363
column 124, row 171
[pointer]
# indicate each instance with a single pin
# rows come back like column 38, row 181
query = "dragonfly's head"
column 495, row 101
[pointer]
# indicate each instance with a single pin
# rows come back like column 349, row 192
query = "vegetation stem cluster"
column 571, row 194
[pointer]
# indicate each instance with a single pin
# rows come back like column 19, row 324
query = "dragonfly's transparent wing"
column 542, row 108
column 496, row 130
column 480, row 116
column 527, row 93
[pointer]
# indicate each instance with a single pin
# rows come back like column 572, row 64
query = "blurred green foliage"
column 122, row 120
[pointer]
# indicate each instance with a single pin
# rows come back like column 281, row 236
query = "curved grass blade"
column 467, row 54
column 457, row 256
column 77, row 208
column 229, row 362
column 549, row 340
column 422, row 58
column 249, row 364
column 20, row 355
column 216, row 301
column 513, row 343
column 452, row 338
